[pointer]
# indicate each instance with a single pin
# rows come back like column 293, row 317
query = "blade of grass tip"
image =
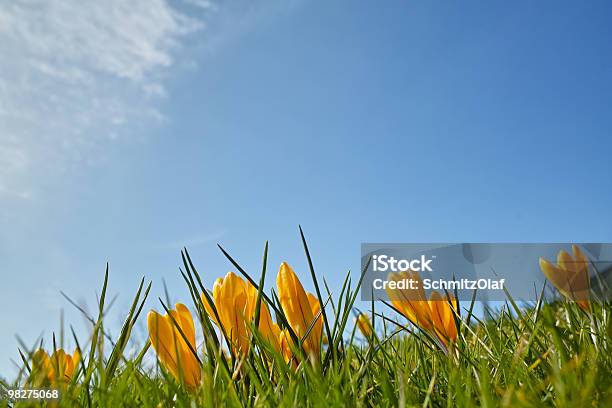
column 81, row 366
column 337, row 319
column 30, row 350
column 344, row 301
column 340, row 299
column 312, row 324
column 345, row 306
column 538, row 307
column 78, row 346
column 166, row 293
column 144, row 298
column 471, row 310
column 373, row 312
column 193, row 289
column 95, row 333
column 212, row 342
column 455, row 313
column 190, row 266
column 197, row 301
column 62, row 327
column 331, row 303
column 141, row 354
column 317, row 290
column 126, row 330
column 356, row 313
column 55, row 361
column 25, row 360
column 517, row 310
column 189, row 281
column 214, row 348
column 456, row 292
column 349, row 304
column 104, row 287
column 261, row 285
column 363, row 272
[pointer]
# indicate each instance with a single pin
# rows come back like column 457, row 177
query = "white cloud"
column 204, row 4
column 74, row 74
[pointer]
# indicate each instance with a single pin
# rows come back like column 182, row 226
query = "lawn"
column 541, row 354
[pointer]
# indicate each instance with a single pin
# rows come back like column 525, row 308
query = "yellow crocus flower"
column 55, row 369
column 176, row 354
column 412, row 303
column 364, row 324
column 300, row 309
column 435, row 316
column 284, row 347
column 443, row 317
column 267, row 327
column 236, row 301
column 570, row 276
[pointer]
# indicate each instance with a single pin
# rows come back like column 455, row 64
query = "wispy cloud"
column 74, row 74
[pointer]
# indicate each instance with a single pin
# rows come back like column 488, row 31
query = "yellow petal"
column 284, row 341
column 207, row 306
column 412, row 303
column 581, row 281
column 62, row 365
column 364, row 325
column 557, row 276
column 188, row 361
column 69, row 368
column 41, row 359
column 296, row 305
column 315, row 307
column 443, row 318
column 570, row 276
column 267, row 327
column 42, row 369
column 76, row 357
column 162, row 340
column 185, row 321
column 565, row 261
column 231, row 303
column 251, row 302
column 172, row 350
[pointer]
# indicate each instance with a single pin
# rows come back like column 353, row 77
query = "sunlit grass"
column 540, row 355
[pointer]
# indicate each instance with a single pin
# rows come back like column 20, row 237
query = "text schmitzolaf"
column 439, row 284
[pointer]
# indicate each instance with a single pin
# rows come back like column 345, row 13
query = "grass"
column 540, row 355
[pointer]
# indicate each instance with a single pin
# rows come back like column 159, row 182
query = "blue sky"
column 233, row 122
